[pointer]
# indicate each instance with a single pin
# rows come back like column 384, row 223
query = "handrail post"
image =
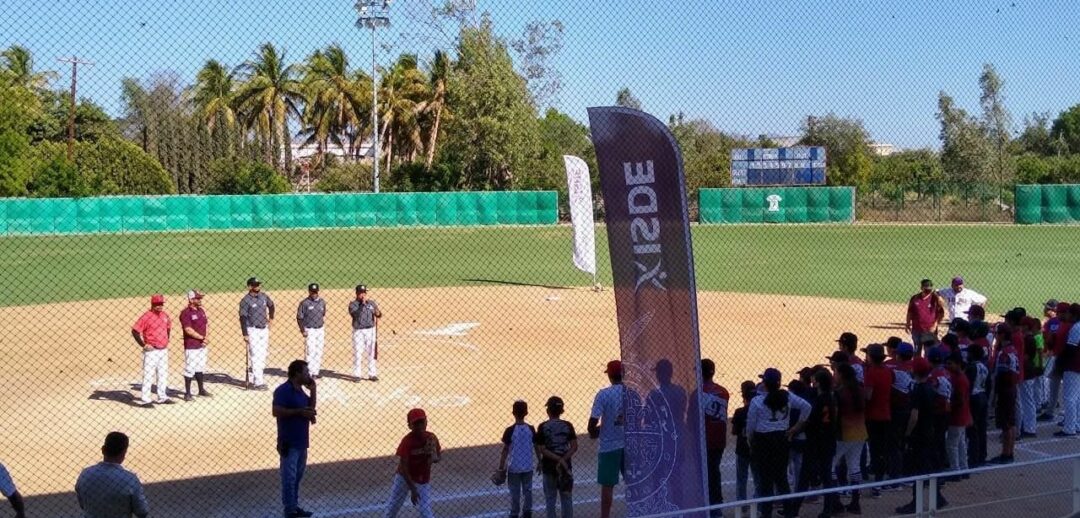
column 1076, row 485
column 932, row 497
column 919, row 498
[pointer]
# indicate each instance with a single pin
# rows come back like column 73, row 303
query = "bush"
column 15, row 164
column 55, row 177
column 236, row 176
column 106, row 167
column 344, row 177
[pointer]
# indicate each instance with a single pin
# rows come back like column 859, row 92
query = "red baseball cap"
column 921, row 366
column 416, row 414
column 614, row 367
column 157, row 299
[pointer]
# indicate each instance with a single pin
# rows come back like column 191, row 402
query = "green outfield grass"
column 1012, row 265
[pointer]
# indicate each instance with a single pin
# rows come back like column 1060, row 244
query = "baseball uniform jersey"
column 256, row 311
column 310, row 316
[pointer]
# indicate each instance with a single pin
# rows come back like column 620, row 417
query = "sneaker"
column 374, row 378
column 166, row 401
column 853, row 508
column 1002, row 459
column 300, row 513
column 188, row 397
column 205, row 393
column 906, row 509
column 145, row 404
column 1063, row 433
column 262, row 387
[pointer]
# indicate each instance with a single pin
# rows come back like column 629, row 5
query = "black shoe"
column 205, row 393
column 942, row 502
column 1028, row 435
column 167, row 401
column 906, row 509
column 374, row 378
column 1063, row 434
column 953, row 478
column 1002, row 459
column 853, row 508
column 1045, row 418
column 188, row 397
column 300, row 513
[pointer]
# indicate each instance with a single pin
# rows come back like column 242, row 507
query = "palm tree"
column 19, row 68
column 436, row 103
column 213, row 95
column 269, row 95
column 336, row 99
column 401, row 98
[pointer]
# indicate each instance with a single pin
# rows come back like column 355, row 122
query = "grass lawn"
column 1013, row 265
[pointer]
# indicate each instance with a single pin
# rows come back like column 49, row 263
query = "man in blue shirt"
column 295, row 413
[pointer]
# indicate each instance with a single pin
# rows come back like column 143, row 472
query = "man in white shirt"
column 106, row 489
column 959, row 299
column 607, row 423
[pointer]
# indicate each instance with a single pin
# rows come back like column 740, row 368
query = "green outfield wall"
column 22, row 216
column 777, row 205
column 1047, row 204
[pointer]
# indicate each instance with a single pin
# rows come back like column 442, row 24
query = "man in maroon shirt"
column 878, row 386
column 925, row 311
column 193, row 321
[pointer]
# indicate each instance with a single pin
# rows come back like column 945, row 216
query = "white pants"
column 1053, row 388
column 1070, row 399
column 850, row 453
column 155, row 363
column 194, row 361
column 313, row 349
column 400, row 492
column 258, row 345
column 363, row 347
column 1026, row 402
column 956, row 446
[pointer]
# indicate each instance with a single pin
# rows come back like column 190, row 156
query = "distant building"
column 882, row 149
column 305, row 152
column 781, row 140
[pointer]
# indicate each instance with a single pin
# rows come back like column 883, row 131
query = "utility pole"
column 374, row 14
column 75, row 62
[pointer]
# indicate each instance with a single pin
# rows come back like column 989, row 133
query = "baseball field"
column 474, row 319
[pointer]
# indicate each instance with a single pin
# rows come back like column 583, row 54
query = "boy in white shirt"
column 517, row 461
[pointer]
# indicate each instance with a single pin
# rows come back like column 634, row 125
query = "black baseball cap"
column 848, row 338
column 554, row 403
column 313, row 286
column 875, row 350
column 927, row 283
column 360, row 288
column 254, row 281
column 838, row 357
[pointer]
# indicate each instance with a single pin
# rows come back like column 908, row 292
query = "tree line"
column 466, row 118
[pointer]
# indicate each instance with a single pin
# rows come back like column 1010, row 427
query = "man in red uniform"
column 152, row 332
column 878, row 386
column 959, row 413
column 925, row 311
column 714, row 406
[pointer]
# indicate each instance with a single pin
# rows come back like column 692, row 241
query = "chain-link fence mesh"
column 212, row 142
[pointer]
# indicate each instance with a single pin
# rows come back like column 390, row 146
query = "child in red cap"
column 419, row 449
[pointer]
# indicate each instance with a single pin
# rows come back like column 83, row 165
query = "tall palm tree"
column 213, row 95
column 436, row 102
column 402, row 93
column 336, row 99
column 269, row 95
column 18, row 66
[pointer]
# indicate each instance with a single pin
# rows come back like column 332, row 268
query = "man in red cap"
column 152, row 332
column 607, row 423
column 419, row 449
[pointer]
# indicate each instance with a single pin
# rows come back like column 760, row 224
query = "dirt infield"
column 71, row 373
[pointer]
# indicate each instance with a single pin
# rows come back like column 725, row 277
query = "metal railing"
column 925, row 506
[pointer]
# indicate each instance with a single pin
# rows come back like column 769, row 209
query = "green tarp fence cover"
column 281, row 211
column 777, row 205
column 1047, row 204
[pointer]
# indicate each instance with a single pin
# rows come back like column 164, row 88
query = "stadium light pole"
column 374, row 14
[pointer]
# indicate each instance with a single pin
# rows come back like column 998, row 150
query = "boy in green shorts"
column 606, row 422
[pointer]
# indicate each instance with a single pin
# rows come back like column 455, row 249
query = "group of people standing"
column 153, row 331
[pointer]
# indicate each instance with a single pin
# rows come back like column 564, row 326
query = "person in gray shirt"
column 365, row 324
column 256, row 317
column 310, row 316
column 106, row 489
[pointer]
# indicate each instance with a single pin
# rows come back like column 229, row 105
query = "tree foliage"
column 626, row 99
column 1066, row 129
column 847, row 145
column 236, row 176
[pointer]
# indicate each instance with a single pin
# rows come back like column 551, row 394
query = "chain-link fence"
column 212, row 144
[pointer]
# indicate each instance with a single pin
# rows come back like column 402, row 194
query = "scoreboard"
column 778, row 166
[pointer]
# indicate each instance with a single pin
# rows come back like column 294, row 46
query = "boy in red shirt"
column 1006, row 379
column 878, row 386
column 959, row 413
column 419, row 449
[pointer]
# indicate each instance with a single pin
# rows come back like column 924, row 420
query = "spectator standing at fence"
column 1006, row 379
column 822, row 430
column 941, row 381
column 851, row 403
column 365, row 314
column 879, row 382
column 1070, row 384
column 418, row 450
column 899, row 403
column 194, row 323
column 556, row 441
column 714, row 408
column 768, row 422
column 311, row 317
column 925, row 311
column 1052, row 348
column 295, row 413
column 959, row 299
column 608, row 424
column 1030, row 374
column 106, row 489
column 8, row 489
column 979, row 376
column 798, row 442
column 152, row 332
column 256, row 318
column 516, row 460
column 748, row 390
column 848, row 343
column 920, row 456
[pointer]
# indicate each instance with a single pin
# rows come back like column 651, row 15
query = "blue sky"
column 749, row 67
